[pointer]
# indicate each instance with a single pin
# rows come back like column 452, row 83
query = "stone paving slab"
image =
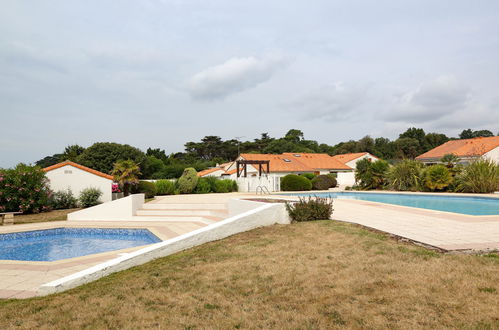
column 447, row 231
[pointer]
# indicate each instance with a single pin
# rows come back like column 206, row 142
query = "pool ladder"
column 263, row 190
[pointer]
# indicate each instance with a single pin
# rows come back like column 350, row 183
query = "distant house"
column 352, row 159
column 466, row 150
column 78, row 177
column 293, row 163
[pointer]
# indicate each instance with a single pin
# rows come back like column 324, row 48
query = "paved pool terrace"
column 443, row 230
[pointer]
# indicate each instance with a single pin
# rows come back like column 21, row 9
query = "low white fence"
column 250, row 184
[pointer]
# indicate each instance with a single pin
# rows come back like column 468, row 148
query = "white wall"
column 75, row 179
column 346, row 178
column 120, row 209
column 249, row 184
column 264, row 215
column 353, row 163
column 493, row 154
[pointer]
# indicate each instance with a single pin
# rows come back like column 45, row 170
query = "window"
column 68, row 172
column 287, row 160
column 297, row 155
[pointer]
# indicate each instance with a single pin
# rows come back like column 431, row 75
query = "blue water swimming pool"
column 457, row 204
column 62, row 243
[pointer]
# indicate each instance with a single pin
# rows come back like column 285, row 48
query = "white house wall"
column 75, row 179
column 493, row 154
column 346, row 178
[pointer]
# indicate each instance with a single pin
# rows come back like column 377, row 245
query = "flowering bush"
column 116, row 188
column 24, row 189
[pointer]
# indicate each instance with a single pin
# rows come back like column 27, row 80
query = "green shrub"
column 24, row 189
column 293, row 182
column 406, row 175
column 311, row 208
column 235, row 187
column 165, row 187
column 437, row 177
column 309, row 176
column 64, row 200
column 203, row 186
column 188, row 181
column 223, row 186
column 89, row 197
column 371, row 175
column 147, row 188
column 323, row 182
column 480, row 176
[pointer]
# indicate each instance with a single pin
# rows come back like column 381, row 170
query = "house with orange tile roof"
column 214, row 171
column 76, row 177
column 351, row 159
column 466, row 150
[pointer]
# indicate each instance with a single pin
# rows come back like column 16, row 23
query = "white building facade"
column 69, row 175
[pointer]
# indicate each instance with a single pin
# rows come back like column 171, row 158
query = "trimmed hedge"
column 188, row 181
column 147, row 188
column 203, row 186
column 165, row 187
column 293, row 182
column 323, row 182
column 309, row 176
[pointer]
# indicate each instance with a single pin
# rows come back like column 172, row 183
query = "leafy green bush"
column 64, row 199
column 371, row 175
column 165, row 187
column 89, row 197
column 147, row 188
column 203, row 186
column 309, row 176
column 311, row 208
column 188, row 181
column 235, row 187
column 480, row 176
column 24, row 189
column 437, row 177
column 406, row 175
column 293, row 182
column 224, row 186
column 323, row 182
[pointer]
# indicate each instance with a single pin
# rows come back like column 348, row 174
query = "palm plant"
column 437, row 177
column 480, row 176
column 449, row 160
column 405, row 175
column 126, row 173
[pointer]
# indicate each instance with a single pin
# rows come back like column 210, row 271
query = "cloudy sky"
column 160, row 73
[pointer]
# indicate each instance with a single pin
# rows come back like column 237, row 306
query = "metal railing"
column 263, row 190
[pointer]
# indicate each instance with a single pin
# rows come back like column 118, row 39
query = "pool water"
column 457, row 204
column 62, row 243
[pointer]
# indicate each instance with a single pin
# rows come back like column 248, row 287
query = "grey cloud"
column 431, row 101
column 331, row 102
column 233, row 76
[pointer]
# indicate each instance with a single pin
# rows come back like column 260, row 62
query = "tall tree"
column 101, row 156
column 72, row 152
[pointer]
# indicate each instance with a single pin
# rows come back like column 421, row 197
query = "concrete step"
column 184, row 206
column 176, row 218
column 186, row 212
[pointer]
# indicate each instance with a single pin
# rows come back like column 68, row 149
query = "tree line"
column 157, row 164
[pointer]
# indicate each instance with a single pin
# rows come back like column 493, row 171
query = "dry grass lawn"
column 56, row 215
column 314, row 275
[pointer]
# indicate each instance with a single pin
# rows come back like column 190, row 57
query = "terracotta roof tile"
column 463, row 148
column 318, row 161
column 298, row 162
column 278, row 163
column 209, row 170
column 345, row 158
column 81, row 167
